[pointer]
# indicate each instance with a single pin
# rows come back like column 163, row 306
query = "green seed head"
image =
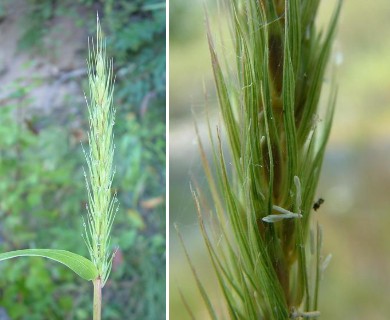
column 263, row 196
column 102, row 204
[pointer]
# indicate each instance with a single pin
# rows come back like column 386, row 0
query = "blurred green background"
column 43, row 118
column 355, row 181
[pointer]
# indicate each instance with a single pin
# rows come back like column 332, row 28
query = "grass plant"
column 102, row 204
column 258, row 229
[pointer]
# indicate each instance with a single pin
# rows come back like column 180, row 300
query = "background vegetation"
column 43, row 118
column 356, row 173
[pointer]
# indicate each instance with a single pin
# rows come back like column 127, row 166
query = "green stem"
column 318, row 267
column 97, row 299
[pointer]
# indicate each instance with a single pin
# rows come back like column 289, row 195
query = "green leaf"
column 80, row 265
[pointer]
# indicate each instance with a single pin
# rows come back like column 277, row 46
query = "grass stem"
column 97, row 299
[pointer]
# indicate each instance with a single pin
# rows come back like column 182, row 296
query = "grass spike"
column 257, row 238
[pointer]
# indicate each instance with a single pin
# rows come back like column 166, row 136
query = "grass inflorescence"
column 102, row 204
column 259, row 227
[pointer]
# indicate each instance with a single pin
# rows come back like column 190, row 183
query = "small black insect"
column 317, row 204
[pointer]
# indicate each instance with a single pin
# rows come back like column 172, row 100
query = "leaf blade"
column 78, row 264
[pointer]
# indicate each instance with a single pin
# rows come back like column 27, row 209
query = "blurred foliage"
column 42, row 191
column 136, row 39
column 184, row 22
